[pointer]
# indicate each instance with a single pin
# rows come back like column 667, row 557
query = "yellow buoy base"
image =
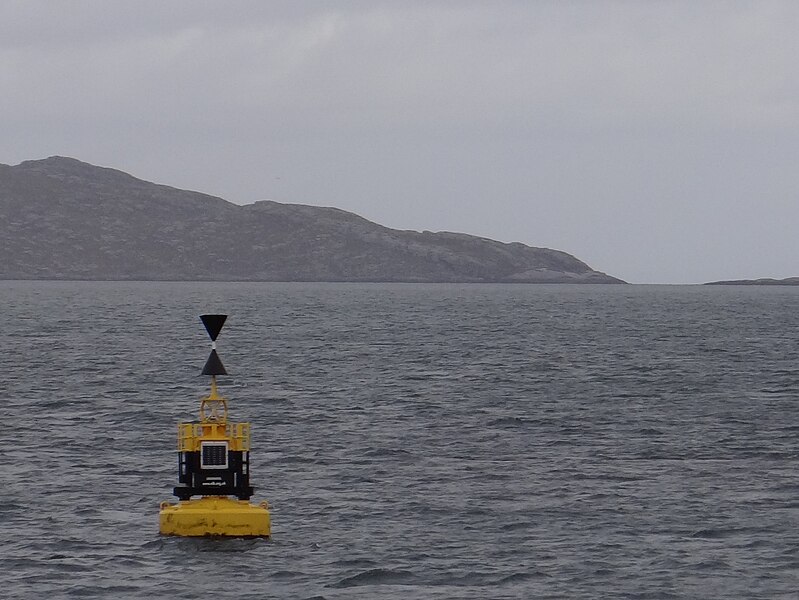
column 215, row 516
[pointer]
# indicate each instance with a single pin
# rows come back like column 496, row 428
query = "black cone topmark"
column 214, row 366
column 213, row 324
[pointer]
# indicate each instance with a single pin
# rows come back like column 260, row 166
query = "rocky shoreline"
column 762, row 281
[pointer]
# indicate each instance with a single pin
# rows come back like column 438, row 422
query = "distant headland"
column 762, row 281
column 61, row 218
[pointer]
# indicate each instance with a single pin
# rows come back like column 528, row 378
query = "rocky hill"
column 64, row 219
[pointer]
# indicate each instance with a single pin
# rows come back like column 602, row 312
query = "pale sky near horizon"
column 656, row 141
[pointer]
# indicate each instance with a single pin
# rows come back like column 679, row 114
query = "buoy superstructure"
column 214, row 463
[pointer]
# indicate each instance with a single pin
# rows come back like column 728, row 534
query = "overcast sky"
column 657, row 141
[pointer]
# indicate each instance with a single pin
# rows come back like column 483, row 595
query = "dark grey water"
column 413, row 441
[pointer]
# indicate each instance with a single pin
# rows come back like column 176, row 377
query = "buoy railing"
column 191, row 434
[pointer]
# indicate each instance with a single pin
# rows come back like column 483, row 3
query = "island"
column 61, row 218
column 761, row 281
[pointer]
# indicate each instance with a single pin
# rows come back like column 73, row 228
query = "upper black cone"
column 213, row 324
column 214, row 366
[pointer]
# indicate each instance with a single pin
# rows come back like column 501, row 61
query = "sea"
column 413, row 441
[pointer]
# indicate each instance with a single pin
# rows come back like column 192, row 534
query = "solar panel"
column 214, row 455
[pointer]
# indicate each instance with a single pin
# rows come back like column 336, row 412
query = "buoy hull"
column 215, row 516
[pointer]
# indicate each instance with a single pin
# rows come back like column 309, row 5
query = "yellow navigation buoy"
column 214, row 462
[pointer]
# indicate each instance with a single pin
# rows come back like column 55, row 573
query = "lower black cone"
column 214, row 366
